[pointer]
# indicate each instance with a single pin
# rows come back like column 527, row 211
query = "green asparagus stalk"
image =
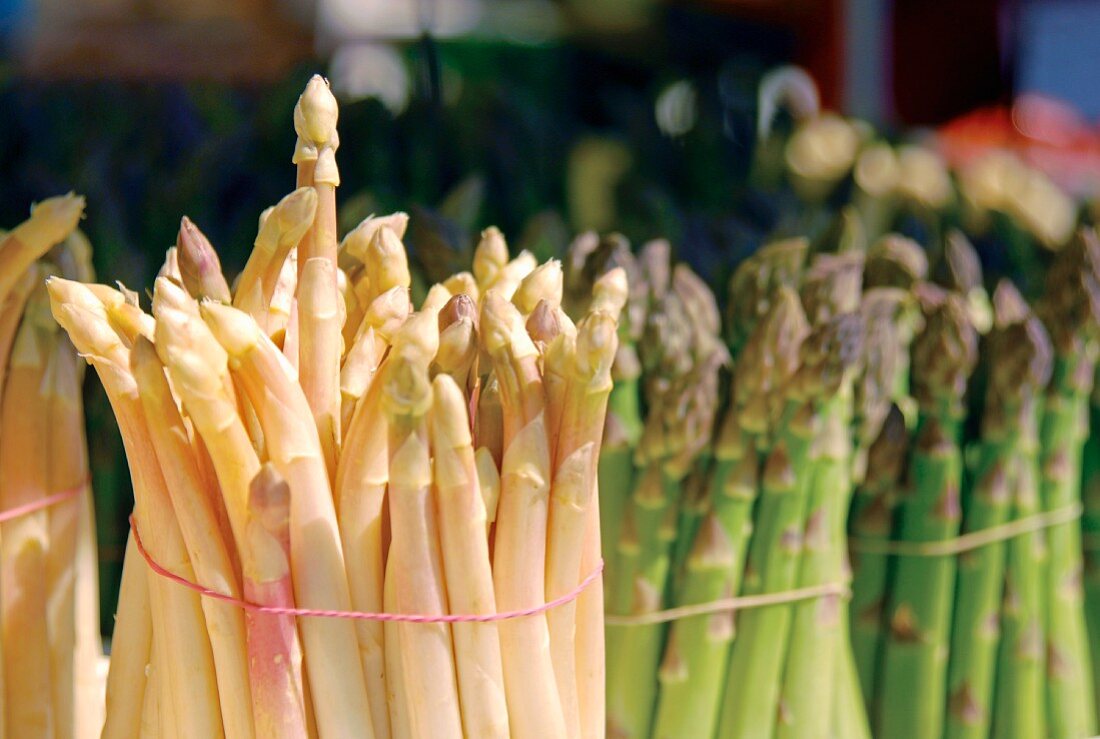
column 751, row 702
column 831, row 288
column 1090, row 527
column 693, row 670
column 1018, row 354
column 1018, row 705
column 681, row 379
column 878, row 465
column 1071, row 311
column 872, row 519
column 912, row 689
column 817, row 640
column 756, row 281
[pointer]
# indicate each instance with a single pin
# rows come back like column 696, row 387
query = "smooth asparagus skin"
column 911, row 693
column 1090, row 532
column 1071, row 312
column 1018, row 354
column 872, row 519
column 756, row 665
column 696, row 656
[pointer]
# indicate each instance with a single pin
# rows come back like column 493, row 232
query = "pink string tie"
column 37, row 505
column 414, row 618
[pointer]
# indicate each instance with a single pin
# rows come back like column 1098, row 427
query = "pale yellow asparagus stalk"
column 127, row 690
column 12, row 312
column 415, row 558
column 319, row 315
column 319, row 328
column 75, row 262
column 489, row 422
column 388, row 311
column 170, row 268
column 469, row 577
column 588, row 368
column 397, row 700
column 68, row 471
column 197, row 365
column 177, row 611
column 24, row 541
column 462, row 283
column 200, row 268
column 437, row 297
column 609, row 295
column 556, row 348
column 519, row 555
column 386, row 264
column 282, row 307
column 197, row 521
column 149, row 719
column 590, row 649
column 357, row 241
column 360, row 491
column 51, row 221
column 511, row 275
column 544, row 283
column 488, row 478
column 279, row 234
column 269, row 544
column 458, row 348
column 490, row 256
column 88, row 703
column 320, row 580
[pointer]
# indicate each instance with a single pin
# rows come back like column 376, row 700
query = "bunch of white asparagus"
column 310, row 439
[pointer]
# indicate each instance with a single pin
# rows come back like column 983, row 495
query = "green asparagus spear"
column 696, row 656
column 1071, row 311
column 681, row 359
column 1018, row 354
column 1090, row 530
column 750, row 704
column 912, row 689
column 873, row 520
column 831, row 288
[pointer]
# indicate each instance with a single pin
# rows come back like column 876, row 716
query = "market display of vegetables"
column 853, row 490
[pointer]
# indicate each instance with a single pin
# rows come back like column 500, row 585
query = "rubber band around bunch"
column 942, row 548
column 42, row 503
column 415, row 618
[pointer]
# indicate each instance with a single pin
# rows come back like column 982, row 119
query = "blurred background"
column 545, row 117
